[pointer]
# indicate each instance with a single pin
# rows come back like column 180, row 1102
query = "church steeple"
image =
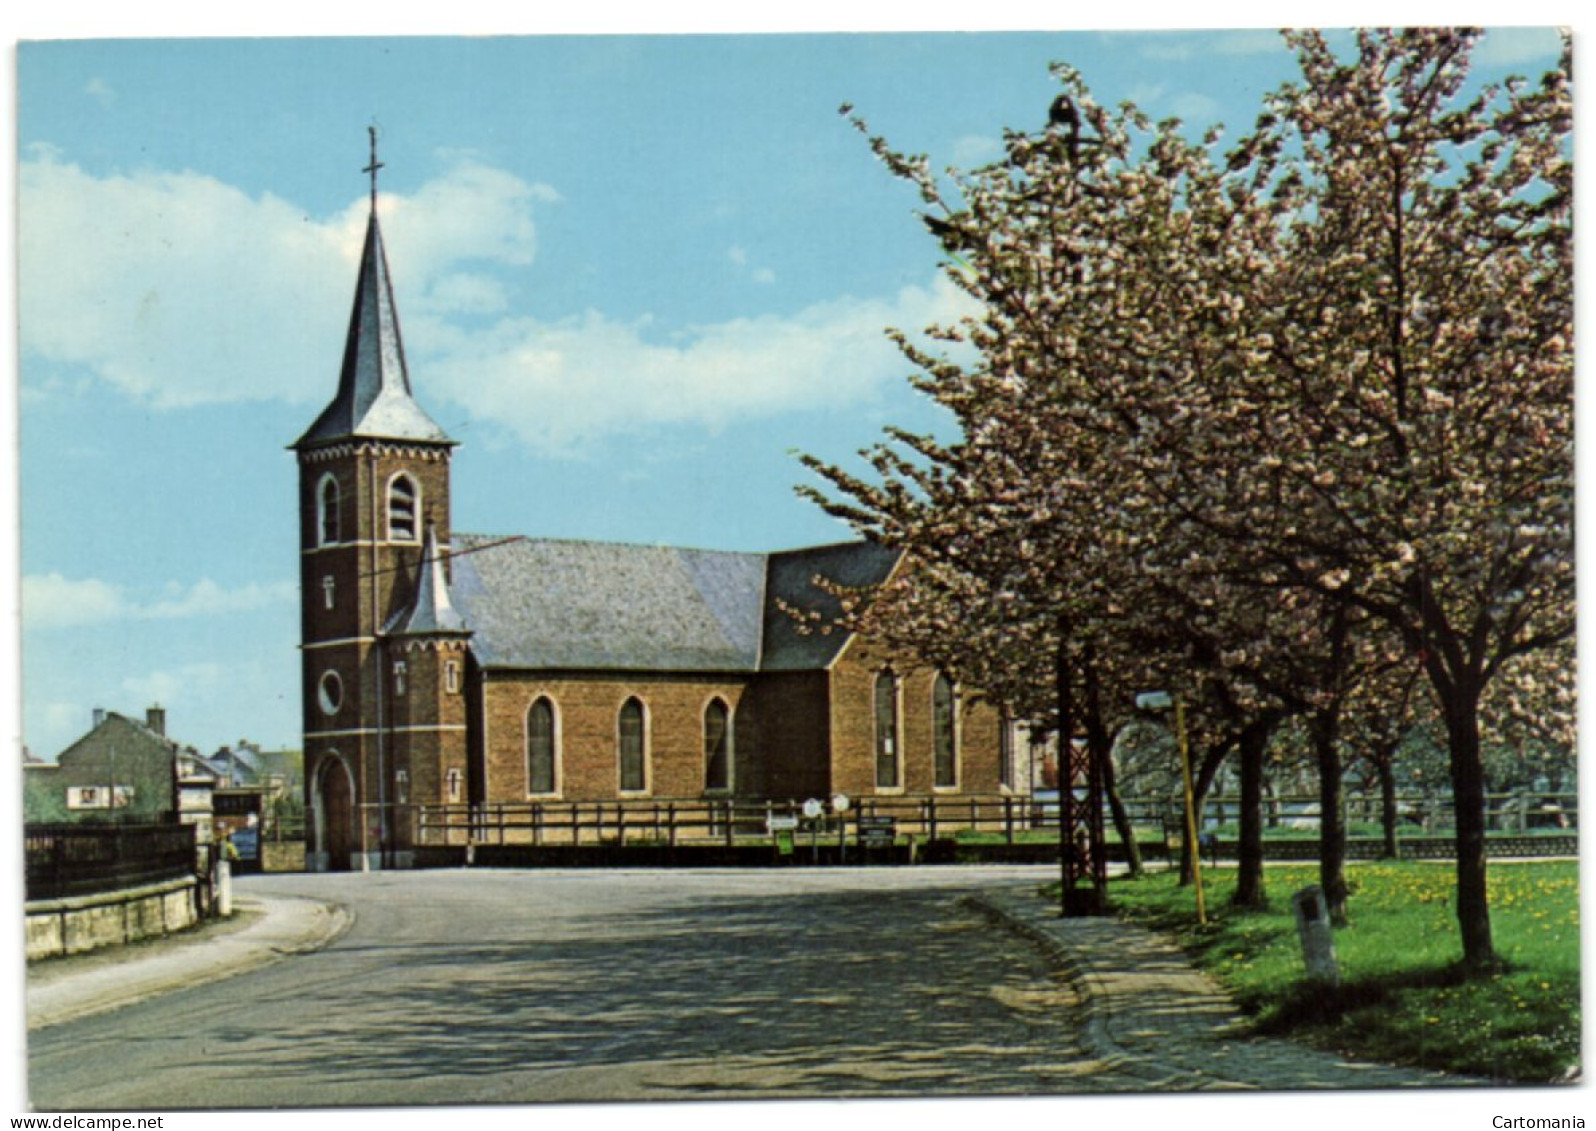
column 383, row 651
column 374, row 399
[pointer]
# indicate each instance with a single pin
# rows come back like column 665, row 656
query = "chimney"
column 99, row 717
column 155, row 719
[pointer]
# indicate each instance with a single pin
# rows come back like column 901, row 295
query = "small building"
column 123, row 770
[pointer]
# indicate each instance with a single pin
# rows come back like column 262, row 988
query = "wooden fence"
column 675, row 821
column 709, row 820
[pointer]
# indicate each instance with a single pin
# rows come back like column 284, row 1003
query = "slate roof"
column 431, row 613
column 848, row 565
column 374, row 398
column 545, row 604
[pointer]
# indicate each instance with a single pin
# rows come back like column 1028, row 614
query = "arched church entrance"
column 335, row 810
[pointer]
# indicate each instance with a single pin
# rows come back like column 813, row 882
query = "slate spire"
column 431, row 613
column 374, row 399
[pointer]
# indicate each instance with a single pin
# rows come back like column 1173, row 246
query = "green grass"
column 1403, row 999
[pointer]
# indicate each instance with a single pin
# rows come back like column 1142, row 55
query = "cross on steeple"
column 373, row 167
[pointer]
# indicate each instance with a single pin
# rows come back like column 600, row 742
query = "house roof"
column 374, row 399
column 609, row 606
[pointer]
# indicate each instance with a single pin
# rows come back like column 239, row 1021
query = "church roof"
column 791, row 582
column 606, row 606
column 373, row 399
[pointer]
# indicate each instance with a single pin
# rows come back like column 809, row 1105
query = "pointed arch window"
column 327, row 514
column 633, row 743
column 945, row 733
column 717, row 746
column 404, row 503
column 886, row 704
column 540, row 746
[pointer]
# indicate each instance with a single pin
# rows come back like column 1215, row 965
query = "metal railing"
column 72, row 860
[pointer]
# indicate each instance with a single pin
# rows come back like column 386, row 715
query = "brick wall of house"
column 587, row 712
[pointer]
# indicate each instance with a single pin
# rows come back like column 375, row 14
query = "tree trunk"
column 1102, row 754
column 1468, row 800
column 1332, row 820
column 1385, row 766
column 1121, row 816
column 1202, row 779
column 1254, row 743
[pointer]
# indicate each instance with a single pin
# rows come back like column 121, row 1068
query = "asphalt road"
column 519, row 987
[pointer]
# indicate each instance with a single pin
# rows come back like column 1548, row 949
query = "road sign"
column 813, row 808
column 781, row 824
column 875, row 832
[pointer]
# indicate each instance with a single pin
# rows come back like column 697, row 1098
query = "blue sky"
column 636, row 273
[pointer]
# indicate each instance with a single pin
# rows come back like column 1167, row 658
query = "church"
column 447, row 674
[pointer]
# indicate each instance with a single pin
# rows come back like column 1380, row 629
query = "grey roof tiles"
column 543, row 604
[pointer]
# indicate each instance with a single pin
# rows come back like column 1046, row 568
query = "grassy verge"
column 1402, row 998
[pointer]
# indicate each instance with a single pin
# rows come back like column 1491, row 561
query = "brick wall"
column 587, row 711
column 793, row 720
column 853, row 725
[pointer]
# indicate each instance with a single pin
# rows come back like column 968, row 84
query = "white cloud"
column 178, row 686
column 52, row 601
column 101, row 91
column 465, row 294
column 181, row 290
column 561, row 385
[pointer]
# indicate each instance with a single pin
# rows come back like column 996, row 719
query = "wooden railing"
column 726, row 820
column 708, row 820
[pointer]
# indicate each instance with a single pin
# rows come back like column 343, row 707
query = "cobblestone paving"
column 1152, row 1018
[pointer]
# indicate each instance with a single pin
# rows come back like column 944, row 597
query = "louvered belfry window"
column 402, row 509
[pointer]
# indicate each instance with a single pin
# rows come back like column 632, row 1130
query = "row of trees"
column 1284, row 426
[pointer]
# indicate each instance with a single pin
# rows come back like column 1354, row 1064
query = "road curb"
column 287, row 927
column 1151, row 1015
column 1096, row 1005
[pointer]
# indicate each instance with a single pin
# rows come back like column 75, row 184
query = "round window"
column 330, row 693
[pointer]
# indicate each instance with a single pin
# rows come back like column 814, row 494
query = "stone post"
column 223, row 886
column 1313, row 928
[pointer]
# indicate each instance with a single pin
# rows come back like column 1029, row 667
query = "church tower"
column 373, row 512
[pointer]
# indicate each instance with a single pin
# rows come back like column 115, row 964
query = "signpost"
column 876, row 832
